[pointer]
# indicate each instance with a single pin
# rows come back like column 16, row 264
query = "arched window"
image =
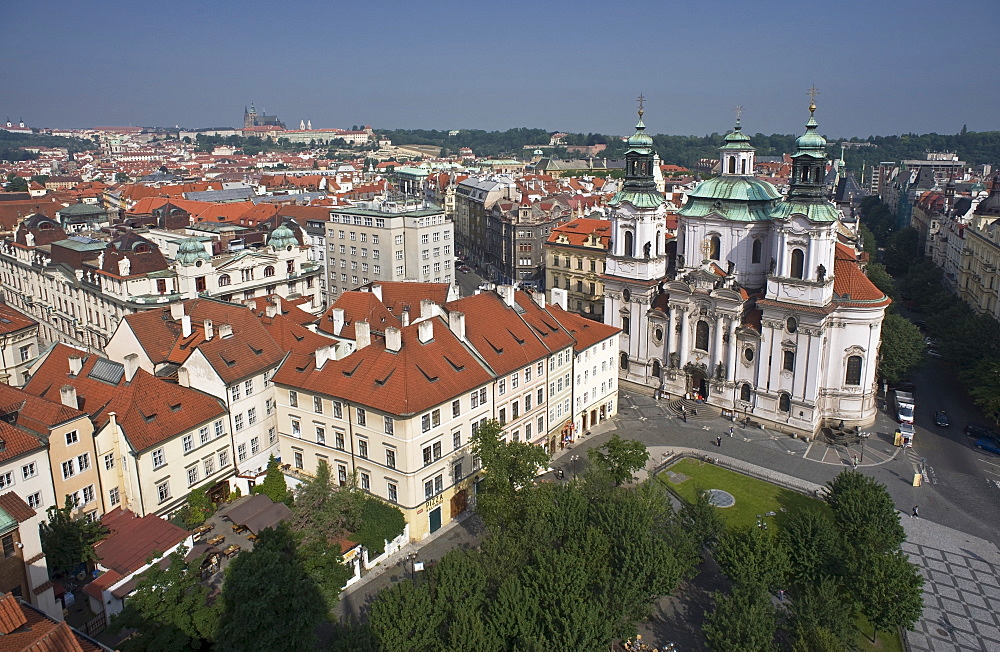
column 819, row 175
column 757, row 250
column 743, row 166
column 656, row 368
column 715, row 245
column 701, row 335
column 629, row 246
column 798, row 263
column 745, row 392
column 853, row 376
column 224, row 280
column 269, row 271
column 732, row 165
column 784, row 402
column 658, row 239
column 623, row 363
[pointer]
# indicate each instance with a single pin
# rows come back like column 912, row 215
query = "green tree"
column 877, row 274
column 864, row 514
column 40, row 178
column 323, row 509
column 274, row 486
column 510, row 467
column 889, row 591
column 902, row 347
column 702, row 521
column 823, row 605
column 902, row 251
column 818, row 639
column 868, row 242
column 753, row 556
column 69, row 542
column 744, row 621
column 269, row 600
column 121, row 177
column 197, row 509
column 170, row 609
column 619, row 459
column 405, row 618
column 16, row 183
column 812, row 543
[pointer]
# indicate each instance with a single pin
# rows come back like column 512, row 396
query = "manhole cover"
column 942, row 632
column 721, row 498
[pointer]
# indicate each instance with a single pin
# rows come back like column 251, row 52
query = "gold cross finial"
column 640, row 100
column 812, row 93
column 739, row 112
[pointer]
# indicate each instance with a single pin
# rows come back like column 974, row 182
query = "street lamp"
column 864, row 436
column 412, row 556
column 573, row 459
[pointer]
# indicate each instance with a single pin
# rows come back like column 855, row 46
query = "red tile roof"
column 587, row 332
column 132, row 540
column 499, row 333
column 149, row 410
column 17, row 442
column 35, row 414
column 360, row 306
column 11, row 615
column 13, row 504
column 24, row 628
column 12, row 320
column 578, row 232
column 851, row 283
column 399, row 295
column 290, row 308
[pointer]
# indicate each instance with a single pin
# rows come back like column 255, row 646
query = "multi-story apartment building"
column 516, row 235
column 155, row 441
column 392, row 240
column 979, row 283
column 576, row 254
column 24, row 463
column 474, row 199
column 24, row 575
column 18, row 344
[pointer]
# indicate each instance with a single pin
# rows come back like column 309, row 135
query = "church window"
column 269, row 271
column 623, row 361
column 743, row 166
column 224, row 280
column 658, row 240
column 701, row 335
column 756, row 251
column 658, row 335
column 626, row 323
column 788, row 361
column 853, row 370
column 626, row 295
column 745, row 392
column 784, row 402
column 656, row 368
column 798, row 263
column 791, row 325
column 714, row 247
column 819, row 175
column 748, row 354
column 629, row 246
column 732, row 165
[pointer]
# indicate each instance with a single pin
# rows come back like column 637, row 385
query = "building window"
column 9, row 549
column 35, row 500
column 272, row 435
column 363, row 448
column 361, row 416
column 784, row 402
column 223, row 459
column 163, row 492
column 456, row 408
column 756, row 250
column 296, row 428
column 503, row 416
column 853, row 370
column 456, row 440
column 158, row 458
column 203, row 435
column 25, row 352
column 209, row 466
column 390, row 458
column 72, row 437
column 714, row 247
column 321, row 435
column 297, row 459
column 791, row 325
column 798, row 263
column 388, row 425
column 293, row 398
column 656, row 368
column 338, row 410
column 341, row 474
column 701, row 335
column 392, row 492
column 224, row 280
column 220, row 428
column 366, row 481
column 255, row 445
column 241, row 452
column 788, row 360
column 317, row 405
column 745, row 393
column 114, row 497
column 192, row 474
column 6, row 479
column 252, row 416
column 623, row 361
column 28, row 471
column 238, row 422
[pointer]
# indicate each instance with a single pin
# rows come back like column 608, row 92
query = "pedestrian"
column 781, row 595
column 684, row 414
column 915, row 514
column 730, row 431
column 856, row 462
column 718, row 442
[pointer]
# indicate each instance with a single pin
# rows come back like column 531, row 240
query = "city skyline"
column 559, row 66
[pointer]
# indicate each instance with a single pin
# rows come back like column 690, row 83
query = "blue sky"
column 882, row 66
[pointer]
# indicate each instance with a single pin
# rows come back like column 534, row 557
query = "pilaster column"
column 731, row 362
column 671, row 328
column 810, row 263
column 716, row 346
column 782, row 245
column 685, row 347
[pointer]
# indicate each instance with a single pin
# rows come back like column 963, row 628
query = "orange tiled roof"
column 14, row 505
column 578, row 231
column 852, row 284
column 132, row 539
column 360, row 306
column 498, row 333
column 12, row 320
column 586, row 332
column 23, row 627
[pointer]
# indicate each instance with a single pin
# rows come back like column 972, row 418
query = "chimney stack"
column 405, row 317
column 425, row 331
column 186, row 325
column 183, row 377
column 209, row 330
column 176, row 310
column 225, row 330
column 75, row 365
column 362, row 335
column 427, row 308
column 507, row 293
column 456, row 323
column 323, row 354
column 393, row 339
column 338, row 320
column 560, row 297
column 539, row 298
column 270, row 311
column 131, row 366
column 377, row 290
column 67, row 394
column 277, row 303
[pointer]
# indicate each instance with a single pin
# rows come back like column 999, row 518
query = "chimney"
column 270, row 311
column 425, row 332
column 323, row 354
column 362, row 335
column 277, row 303
column 560, row 297
column 377, row 290
column 186, row 325
column 75, row 365
column 539, row 298
column 114, row 420
column 131, row 366
column 225, row 330
column 507, row 293
column 209, row 330
column 183, row 377
column 405, row 317
column 427, row 308
column 67, row 394
column 393, row 339
column 456, row 323
column 176, row 310
column 338, row 320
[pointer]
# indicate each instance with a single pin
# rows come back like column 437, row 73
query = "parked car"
column 979, row 431
column 989, row 445
column 941, row 418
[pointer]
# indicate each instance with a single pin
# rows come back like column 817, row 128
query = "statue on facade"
column 773, row 266
column 124, row 266
column 675, row 360
column 29, row 239
column 645, row 250
column 821, row 273
column 720, row 372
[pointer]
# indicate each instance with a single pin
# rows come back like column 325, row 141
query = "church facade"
column 761, row 307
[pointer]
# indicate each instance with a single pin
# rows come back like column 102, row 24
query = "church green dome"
column 736, row 198
column 640, row 139
column 282, row 237
column 736, row 139
column 811, row 140
column 190, row 251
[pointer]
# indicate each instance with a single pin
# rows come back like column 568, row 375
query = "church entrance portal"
column 697, row 383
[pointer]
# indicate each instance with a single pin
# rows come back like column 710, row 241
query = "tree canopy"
column 69, row 542
column 902, row 347
column 619, row 459
column 510, row 467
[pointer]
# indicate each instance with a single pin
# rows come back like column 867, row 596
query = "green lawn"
column 753, row 496
column 887, row 641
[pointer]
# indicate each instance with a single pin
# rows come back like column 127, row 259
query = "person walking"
column 915, row 514
column 684, row 414
column 718, row 441
column 730, row 431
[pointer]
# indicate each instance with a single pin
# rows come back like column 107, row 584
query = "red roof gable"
column 586, row 332
column 499, row 333
column 15, row 506
column 133, row 540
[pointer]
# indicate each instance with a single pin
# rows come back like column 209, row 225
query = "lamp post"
column 412, row 556
column 573, row 459
column 864, row 436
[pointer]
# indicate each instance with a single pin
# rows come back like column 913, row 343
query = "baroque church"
column 760, row 307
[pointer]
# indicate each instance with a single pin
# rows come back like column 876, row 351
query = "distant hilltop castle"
column 252, row 119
